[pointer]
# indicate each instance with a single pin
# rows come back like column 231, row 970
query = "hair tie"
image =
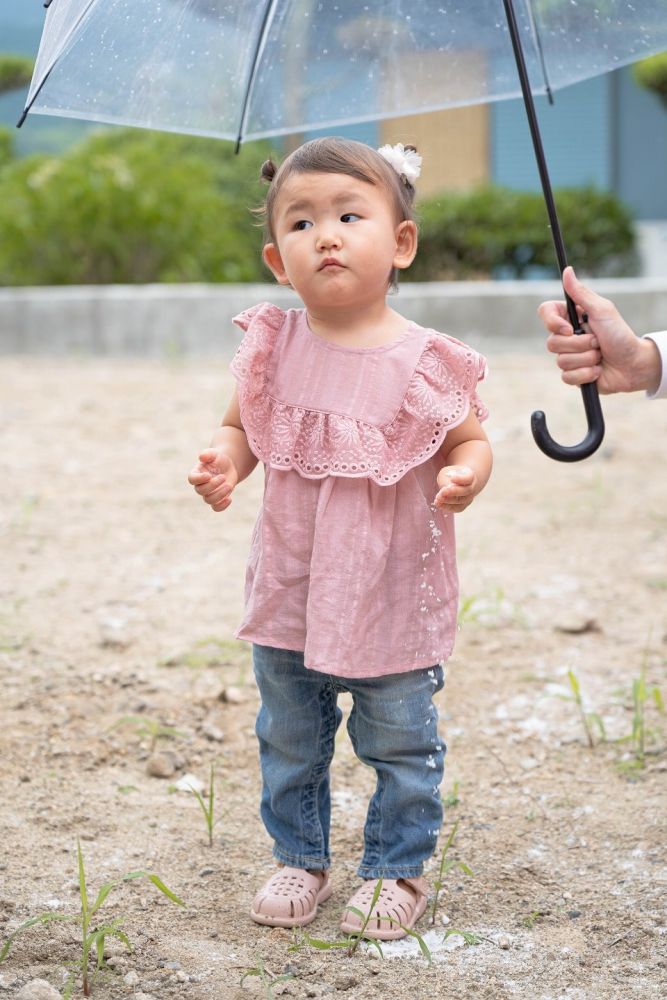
column 405, row 160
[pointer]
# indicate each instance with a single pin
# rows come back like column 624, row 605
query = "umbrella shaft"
column 533, row 124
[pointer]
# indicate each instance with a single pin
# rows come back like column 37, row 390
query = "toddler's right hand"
column 214, row 478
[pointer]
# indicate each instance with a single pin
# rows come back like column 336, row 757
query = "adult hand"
column 609, row 352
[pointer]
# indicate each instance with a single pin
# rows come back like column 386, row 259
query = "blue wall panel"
column 640, row 149
column 576, row 133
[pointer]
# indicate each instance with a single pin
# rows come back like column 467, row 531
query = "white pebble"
column 38, row 989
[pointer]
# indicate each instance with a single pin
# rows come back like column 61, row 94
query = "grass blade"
column 157, row 882
column 82, row 880
column 43, row 918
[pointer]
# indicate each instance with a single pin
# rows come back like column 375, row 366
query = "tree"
column 651, row 74
column 15, row 72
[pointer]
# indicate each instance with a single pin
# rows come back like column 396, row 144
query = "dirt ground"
column 119, row 593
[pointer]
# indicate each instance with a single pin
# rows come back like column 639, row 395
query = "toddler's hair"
column 334, row 155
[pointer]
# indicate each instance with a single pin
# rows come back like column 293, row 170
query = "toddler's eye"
column 302, row 224
column 350, row 217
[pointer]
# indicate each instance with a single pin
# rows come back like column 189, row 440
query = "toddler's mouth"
column 329, row 262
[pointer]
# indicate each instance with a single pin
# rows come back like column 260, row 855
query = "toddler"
column 368, row 427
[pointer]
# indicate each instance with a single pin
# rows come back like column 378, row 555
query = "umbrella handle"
column 575, row 452
column 592, row 408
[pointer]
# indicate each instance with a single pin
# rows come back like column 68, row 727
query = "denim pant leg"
column 394, row 729
column 296, row 727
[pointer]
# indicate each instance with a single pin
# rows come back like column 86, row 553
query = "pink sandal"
column 399, row 906
column 290, row 898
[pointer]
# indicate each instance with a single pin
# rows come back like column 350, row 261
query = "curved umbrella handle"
column 575, row 452
column 592, row 408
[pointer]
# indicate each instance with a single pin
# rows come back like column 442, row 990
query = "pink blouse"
column 350, row 563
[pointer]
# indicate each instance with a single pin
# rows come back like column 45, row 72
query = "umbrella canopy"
column 245, row 69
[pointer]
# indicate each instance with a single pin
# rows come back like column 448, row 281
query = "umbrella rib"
column 69, row 35
column 540, row 50
column 269, row 11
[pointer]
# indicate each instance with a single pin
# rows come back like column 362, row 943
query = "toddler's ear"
column 406, row 244
column 274, row 262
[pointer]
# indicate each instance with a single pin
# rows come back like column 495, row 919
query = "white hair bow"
column 405, row 162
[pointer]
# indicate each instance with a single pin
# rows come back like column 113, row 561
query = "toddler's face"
column 337, row 240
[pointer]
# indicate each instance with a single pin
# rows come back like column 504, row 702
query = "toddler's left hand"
column 458, row 488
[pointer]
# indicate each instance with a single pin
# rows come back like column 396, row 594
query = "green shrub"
column 651, row 73
column 129, row 206
column 478, row 233
column 15, row 71
column 6, row 146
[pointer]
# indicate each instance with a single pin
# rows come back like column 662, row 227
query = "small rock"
column 181, row 977
column 504, row 942
column 38, row 989
column 573, row 914
column 114, row 633
column 232, row 695
column 575, row 624
column 189, row 783
column 161, row 765
column 211, row 732
column 202, row 874
column 131, row 978
column 345, row 982
column 117, row 962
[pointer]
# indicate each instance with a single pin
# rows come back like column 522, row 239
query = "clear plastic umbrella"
column 247, row 69
column 253, row 68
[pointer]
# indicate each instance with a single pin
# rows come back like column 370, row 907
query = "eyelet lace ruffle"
column 317, row 444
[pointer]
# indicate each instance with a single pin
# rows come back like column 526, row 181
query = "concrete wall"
column 163, row 321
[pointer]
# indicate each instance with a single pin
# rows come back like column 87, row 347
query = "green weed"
column 93, row 937
column 207, row 809
column 446, row 865
column 212, row 651
column 641, row 733
column 269, row 981
column 469, row 937
column 144, row 727
column 452, row 799
column 489, row 608
column 533, row 918
column 588, row 719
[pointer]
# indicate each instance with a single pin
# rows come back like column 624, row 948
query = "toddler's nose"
column 328, row 239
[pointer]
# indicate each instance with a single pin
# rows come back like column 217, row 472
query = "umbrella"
column 248, row 69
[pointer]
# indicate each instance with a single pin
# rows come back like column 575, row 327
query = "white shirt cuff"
column 660, row 341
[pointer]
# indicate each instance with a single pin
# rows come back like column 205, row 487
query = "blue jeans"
column 393, row 729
